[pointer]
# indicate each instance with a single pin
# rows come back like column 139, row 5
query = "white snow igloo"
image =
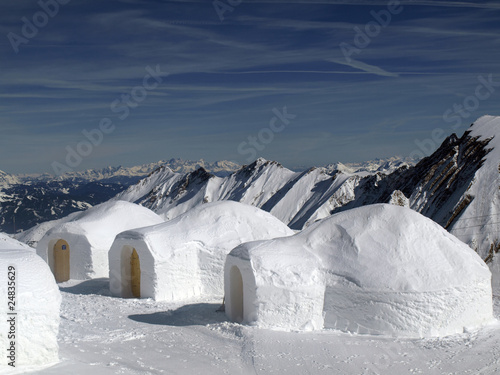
column 184, row 257
column 37, row 303
column 379, row 269
column 78, row 249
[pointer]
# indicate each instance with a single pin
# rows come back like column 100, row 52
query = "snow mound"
column 184, row 257
column 90, row 234
column 380, row 269
column 7, row 242
column 37, row 304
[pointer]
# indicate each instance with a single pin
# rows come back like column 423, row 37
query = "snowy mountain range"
column 30, row 199
column 457, row 186
column 372, row 166
column 124, row 174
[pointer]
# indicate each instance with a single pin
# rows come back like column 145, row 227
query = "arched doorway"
column 236, row 290
column 135, row 274
column 61, row 261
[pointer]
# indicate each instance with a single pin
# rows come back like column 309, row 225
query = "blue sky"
column 225, row 77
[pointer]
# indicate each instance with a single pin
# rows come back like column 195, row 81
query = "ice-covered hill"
column 457, row 186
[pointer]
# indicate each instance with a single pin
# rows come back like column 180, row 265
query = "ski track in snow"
column 100, row 334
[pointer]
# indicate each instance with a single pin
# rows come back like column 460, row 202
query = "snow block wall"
column 184, row 257
column 37, row 303
column 274, row 289
column 87, row 238
column 379, row 269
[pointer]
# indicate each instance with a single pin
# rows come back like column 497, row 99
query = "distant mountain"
column 126, row 174
column 24, row 205
column 372, row 166
column 7, row 180
column 218, row 168
column 27, row 200
column 296, row 198
column 457, row 186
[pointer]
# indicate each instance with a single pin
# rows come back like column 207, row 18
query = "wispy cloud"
column 225, row 77
column 372, row 69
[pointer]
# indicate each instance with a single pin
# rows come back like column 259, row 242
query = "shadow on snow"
column 98, row 286
column 188, row 315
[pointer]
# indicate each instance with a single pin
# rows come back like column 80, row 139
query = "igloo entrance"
column 236, row 282
column 61, row 261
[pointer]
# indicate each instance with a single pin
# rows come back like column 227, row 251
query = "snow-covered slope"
column 480, row 210
column 263, row 184
column 296, row 198
column 476, row 218
column 7, row 242
column 162, row 176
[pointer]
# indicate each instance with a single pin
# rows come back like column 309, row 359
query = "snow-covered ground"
column 100, row 334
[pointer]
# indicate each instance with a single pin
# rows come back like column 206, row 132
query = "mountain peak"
column 486, row 127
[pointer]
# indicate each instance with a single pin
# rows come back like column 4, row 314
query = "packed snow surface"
column 104, row 335
column 36, row 304
column 91, row 233
column 184, row 257
column 379, row 269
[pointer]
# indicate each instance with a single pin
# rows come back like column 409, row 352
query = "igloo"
column 184, row 257
column 31, row 301
column 379, row 269
column 78, row 249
